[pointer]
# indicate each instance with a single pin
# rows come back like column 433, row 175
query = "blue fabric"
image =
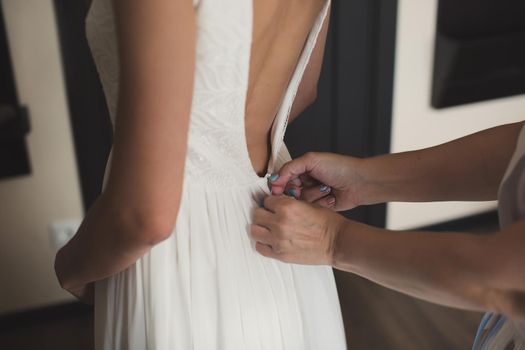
column 481, row 326
column 492, row 332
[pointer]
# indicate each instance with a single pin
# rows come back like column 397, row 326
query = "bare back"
column 280, row 29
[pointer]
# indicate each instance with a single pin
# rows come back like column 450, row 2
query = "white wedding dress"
column 206, row 287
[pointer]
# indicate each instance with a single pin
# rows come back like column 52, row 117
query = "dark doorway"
column 90, row 121
column 14, row 118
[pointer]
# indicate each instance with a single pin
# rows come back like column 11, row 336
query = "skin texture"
column 141, row 200
column 452, row 268
column 280, row 30
column 139, row 206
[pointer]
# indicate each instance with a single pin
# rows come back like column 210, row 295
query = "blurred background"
column 397, row 75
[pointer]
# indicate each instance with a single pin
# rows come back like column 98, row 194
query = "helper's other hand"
column 297, row 232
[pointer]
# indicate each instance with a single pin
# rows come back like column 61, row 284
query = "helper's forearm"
column 455, row 269
column 469, row 168
column 102, row 247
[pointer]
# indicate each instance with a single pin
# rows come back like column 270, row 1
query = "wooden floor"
column 375, row 318
column 378, row 318
column 61, row 327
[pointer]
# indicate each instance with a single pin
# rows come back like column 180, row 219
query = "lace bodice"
column 217, row 152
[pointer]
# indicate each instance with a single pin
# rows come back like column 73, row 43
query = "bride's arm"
column 307, row 91
column 140, row 203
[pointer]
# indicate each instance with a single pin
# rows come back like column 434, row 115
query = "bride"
column 199, row 94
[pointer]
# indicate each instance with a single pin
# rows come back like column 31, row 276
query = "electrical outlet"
column 62, row 231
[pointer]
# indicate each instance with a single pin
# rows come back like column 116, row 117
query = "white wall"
column 28, row 204
column 416, row 125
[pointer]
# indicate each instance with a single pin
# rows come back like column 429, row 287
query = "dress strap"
column 281, row 119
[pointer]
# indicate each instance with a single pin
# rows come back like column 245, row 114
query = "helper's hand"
column 326, row 179
column 296, row 232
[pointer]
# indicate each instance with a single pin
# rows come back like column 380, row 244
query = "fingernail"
column 325, row 189
column 330, row 201
column 292, row 192
column 273, row 177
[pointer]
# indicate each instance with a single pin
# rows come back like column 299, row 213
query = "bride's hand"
column 85, row 294
column 329, row 180
column 297, row 232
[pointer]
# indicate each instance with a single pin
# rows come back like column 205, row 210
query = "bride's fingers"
column 313, row 193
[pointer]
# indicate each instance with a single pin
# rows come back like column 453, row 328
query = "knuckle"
column 267, row 201
column 260, row 250
column 259, row 247
column 257, row 215
column 286, row 258
column 286, row 167
column 280, row 222
column 279, row 235
column 285, row 208
column 279, row 201
column 310, row 156
column 254, row 230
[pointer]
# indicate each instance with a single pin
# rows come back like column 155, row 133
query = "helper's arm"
column 466, row 169
column 479, row 272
